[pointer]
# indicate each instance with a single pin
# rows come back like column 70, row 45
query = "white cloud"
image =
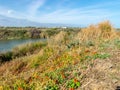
column 10, row 11
column 79, row 15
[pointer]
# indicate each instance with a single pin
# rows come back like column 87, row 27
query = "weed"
column 74, row 83
column 51, row 87
column 21, row 85
column 101, row 56
column 117, row 43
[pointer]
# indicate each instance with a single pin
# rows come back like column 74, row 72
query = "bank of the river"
column 19, row 48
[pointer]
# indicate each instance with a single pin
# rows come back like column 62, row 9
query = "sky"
column 80, row 12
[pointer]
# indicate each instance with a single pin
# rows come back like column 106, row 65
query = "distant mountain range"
column 13, row 22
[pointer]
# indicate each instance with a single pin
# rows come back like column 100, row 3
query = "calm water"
column 7, row 45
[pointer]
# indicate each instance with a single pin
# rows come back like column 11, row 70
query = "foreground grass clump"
column 66, row 62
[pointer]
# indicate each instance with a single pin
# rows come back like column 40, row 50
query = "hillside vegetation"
column 86, row 60
column 7, row 33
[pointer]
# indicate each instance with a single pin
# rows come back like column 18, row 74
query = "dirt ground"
column 104, row 74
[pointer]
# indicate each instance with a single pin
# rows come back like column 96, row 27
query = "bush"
column 6, row 56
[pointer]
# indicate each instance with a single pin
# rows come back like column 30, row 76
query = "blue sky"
column 83, row 12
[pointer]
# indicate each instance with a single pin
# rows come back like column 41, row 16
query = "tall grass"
column 27, row 49
column 103, row 30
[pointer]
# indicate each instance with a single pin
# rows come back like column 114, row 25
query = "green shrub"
column 6, row 56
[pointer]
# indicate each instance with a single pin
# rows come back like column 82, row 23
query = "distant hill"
column 9, row 21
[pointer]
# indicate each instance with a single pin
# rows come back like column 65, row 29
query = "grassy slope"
column 86, row 61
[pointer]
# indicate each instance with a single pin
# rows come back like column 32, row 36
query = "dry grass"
column 66, row 65
column 103, row 30
column 57, row 39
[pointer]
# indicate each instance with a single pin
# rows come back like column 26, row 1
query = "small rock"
column 111, row 66
column 114, row 80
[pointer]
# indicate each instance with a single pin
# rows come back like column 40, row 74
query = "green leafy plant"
column 74, row 83
column 117, row 43
column 101, row 56
column 52, row 87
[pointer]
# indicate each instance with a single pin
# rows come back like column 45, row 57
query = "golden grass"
column 57, row 39
column 103, row 30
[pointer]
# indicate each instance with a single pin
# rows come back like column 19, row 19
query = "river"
column 7, row 45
